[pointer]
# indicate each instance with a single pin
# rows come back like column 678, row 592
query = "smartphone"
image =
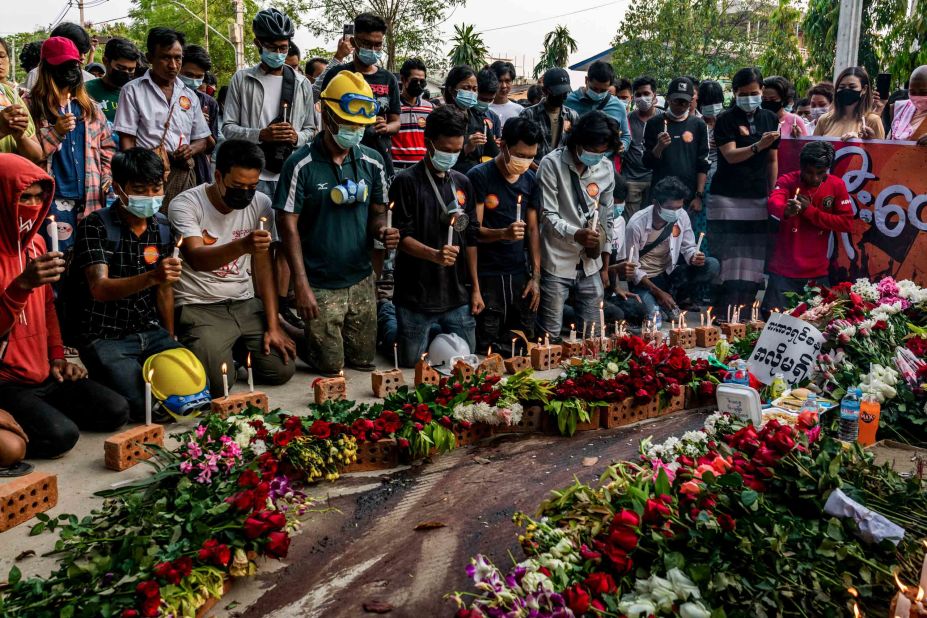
column 884, row 85
column 348, row 30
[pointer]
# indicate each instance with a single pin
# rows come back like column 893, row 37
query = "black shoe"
column 365, row 367
column 288, row 315
column 18, row 469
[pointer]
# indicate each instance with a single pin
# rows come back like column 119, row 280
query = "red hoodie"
column 29, row 333
column 802, row 254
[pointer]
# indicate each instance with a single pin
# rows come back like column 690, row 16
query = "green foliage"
column 705, row 38
column 558, row 45
column 782, row 55
column 412, row 25
column 468, row 47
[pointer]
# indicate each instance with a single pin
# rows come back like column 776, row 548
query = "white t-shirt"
column 273, row 90
column 192, row 214
column 506, row 110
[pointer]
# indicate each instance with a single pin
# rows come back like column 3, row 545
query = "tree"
column 904, row 48
column 704, row 38
column 558, row 45
column 413, row 26
column 783, row 53
column 468, row 47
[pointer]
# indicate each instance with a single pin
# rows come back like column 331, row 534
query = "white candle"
column 595, row 216
column 518, row 208
column 632, row 254
column 450, row 232
column 616, row 328
column 602, row 316
column 730, row 310
column 389, row 215
column 148, row 397
column 513, row 347
column 177, row 247
column 923, row 582
column 708, row 316
column 395, row 356
column 902, row 606
column 53, row 234
column 250, row 375
column 180, row 143
column 701, row 319
column 225, row 380
column 572, row 333
column 285, row 106
column 698, row 245
column 261, row 223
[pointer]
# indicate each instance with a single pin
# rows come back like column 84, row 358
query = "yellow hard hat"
column 178, row 380
column 349, row 96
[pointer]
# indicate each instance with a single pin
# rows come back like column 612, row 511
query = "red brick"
column 572, row 349
column 682, row 337
column 545, row 357
column 621, row 413
column 426, row 374
column 237, row 403
column 707, row 336
column 755, row 325
column 463, row 370
column 126, row 448
column 329, row 389
column 492, row 366
column 21, row 498
column 380, row 455
column 386, row 382
column 733, row 330
column 533, row 419
column 472, row 434
column 516, row 364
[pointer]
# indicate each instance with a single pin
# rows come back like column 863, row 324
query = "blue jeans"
column 415, row 330
column 117, row 363
column 587, row 294
column 680, row 284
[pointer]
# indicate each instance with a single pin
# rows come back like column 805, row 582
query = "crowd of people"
column 320, row 211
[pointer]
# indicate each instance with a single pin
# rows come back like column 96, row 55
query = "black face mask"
column 557, row 100
column 237, row 198
column 67, row 77
column 120, row 78
column 416, row 87
column 848, row 97
column 773, row 106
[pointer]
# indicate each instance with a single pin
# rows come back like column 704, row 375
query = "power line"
column 534, row 21
column 61, row 15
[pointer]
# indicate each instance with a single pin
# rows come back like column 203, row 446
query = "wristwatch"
column 699, row 194
column 755, row 148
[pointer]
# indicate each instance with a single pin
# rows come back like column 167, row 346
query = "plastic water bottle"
column 740, row 375
column 657, row 320
column 778, row 386
column 810, row 404
column 849, row 415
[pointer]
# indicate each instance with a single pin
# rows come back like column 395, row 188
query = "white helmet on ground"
column 447, row 349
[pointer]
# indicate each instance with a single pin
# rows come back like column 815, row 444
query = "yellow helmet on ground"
column 178, row 381
column 350, row 98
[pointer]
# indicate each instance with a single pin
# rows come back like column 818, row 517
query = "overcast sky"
column 593, row 29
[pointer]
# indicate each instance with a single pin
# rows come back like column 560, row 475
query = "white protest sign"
column 788, row 346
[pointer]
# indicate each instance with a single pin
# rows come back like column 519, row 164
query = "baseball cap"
column 58, row 50
column 680, row 88
column 557, row 81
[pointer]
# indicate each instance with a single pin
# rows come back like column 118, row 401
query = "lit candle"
column 665, row 125
column 389, row 215
column 572, row 333
column 53, row 234
column 924, row 570
column 708, row 316
column 225, row 380
column 450, row 232
column 701, row 319
column 595, row 216
column 698, row 245
column 602, row 316
column 180, row 143
column 730, row 310
column 285, row 107
column 261, row 223
column 396, row 356
column 632, row 254
column 518, row 208
column 425, row 359
column 488, row 351
column 250, row 375
column 513, row 347
column 177, row 247
column 901, row 603
column 148, row 397
column 616, row 328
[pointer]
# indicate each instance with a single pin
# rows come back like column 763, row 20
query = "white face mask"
column 817, row 112
column 643, row 103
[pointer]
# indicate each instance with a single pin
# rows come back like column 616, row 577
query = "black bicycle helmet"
column 272, row 25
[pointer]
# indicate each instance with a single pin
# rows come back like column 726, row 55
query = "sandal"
column 18, row 469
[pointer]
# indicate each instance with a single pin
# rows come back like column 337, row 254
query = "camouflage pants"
column 346, row 329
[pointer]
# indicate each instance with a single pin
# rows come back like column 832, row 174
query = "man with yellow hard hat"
column 330, row 209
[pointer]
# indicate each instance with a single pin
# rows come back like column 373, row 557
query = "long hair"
column 865, row 101
column 45, row 98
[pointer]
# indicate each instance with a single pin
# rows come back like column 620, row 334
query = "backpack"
column 72, row 289
column 276, row 153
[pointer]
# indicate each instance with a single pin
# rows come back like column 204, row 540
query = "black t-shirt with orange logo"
column 499, row 198
column 133, row 255
column 685, row 157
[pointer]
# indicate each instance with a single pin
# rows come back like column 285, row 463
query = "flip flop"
column 18, row 469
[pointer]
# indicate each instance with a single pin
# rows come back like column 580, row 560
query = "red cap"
column 58, row 50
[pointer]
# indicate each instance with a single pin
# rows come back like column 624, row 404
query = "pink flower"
column 690, row 488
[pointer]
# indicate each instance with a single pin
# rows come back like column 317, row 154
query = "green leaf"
column 732, row 479
column 14, row 576
column 66, row 612
column 37, row 529
column 663, row 485
column 748, row 497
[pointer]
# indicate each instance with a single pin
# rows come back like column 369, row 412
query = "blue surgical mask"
column 189, row 82
column 617, row 209
column 670, row 216
column 595, row 96
column 348, row 137
column 481, row 106
column 466, row 99
column 144, row 206
column 369, row 57
column 273, row 60
column 591, row 159
column 444, row 161
column 712, row 110
column 749, row 103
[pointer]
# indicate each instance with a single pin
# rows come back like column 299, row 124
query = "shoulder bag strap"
column 664, row 234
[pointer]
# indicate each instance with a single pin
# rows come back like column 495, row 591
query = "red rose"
column 624, row 538
column 626, row 518
column 391, row 421
column 706, row 388
column 320, row 429
column 469, row 613
column 446, row 421
column 260, row 523
column 600, row 583
column 403, row 443
column 655, row 511
column 619, row 558
column 422, row 414
column 151, row 608
column 163, row 570
column 588, row 554
column 248, row 478
column 184, row 565
column 577, row 599
column 726, row 522
column 282, row 438
column 130, row 613
column 278, row 543
column 148, row 589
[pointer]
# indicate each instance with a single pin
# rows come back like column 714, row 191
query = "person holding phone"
column 908, row 123
column 853, row 116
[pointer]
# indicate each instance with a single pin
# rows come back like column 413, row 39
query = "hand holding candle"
column 261, row 223
column 698, row 245
column 518, row 208
column 450, row 232
column 177, row 248
column 389, row 215
column 53, row 234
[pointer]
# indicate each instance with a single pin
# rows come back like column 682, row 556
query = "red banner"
column 887, row 182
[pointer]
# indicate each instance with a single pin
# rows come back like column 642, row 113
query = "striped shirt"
column 409, row 143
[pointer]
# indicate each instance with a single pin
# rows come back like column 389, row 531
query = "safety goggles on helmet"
column 354, row 104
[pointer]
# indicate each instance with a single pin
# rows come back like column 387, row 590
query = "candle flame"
column 51, row 218
column 856, row 613
column 572, row 326
column 920, row 594
column 341, row 373
column 489, row 351
column 925, row 543
column 263, row 219
column 901, row 586
column 853, row 592
column 453, row 220
column 426, row 354
column 180, row 240
column 150, row 375
column 248, row 361
column 519, row 198
column 601, row 304
column 225, row 368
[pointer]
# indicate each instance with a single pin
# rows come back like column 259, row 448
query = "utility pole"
column 206, row 24
column 848, row 27
column 239, row 34
column 80, row 8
